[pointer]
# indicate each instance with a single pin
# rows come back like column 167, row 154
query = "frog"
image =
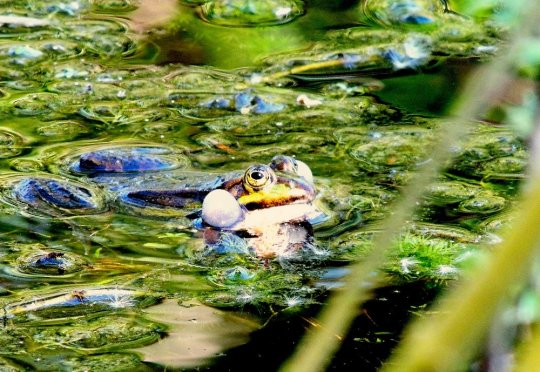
column 151, row 181
column 229, row 201
column 279, row 192
column 270, row 206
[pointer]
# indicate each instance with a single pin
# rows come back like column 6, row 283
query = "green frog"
column 273, row 202
column 280, row 192
column 269, row 206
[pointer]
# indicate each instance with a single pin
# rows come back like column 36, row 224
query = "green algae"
column 69, row 87
column 105, row 334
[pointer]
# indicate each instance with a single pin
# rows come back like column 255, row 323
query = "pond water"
column 117, row 117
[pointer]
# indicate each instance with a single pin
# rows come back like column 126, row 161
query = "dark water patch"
column 369, row 341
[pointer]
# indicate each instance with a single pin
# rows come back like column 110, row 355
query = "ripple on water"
column 63, row 130
column 70, row 8
column 34, row 104
column 23, row 85
column 115, row 5
column 402, row 12
column 44, row 195
column 22, row 55
column 51, row 263
column 115, row 332
column 388, row 149
column 26, row 165
column 11, row 144
column 31, row 53
column 83, row 301
column 127, row 159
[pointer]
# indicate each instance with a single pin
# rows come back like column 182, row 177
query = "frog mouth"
column 290, row 213
column 278, row 195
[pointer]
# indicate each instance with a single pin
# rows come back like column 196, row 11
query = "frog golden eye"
column 258, row 177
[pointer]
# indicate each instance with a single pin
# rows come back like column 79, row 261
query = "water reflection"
column 196, row 333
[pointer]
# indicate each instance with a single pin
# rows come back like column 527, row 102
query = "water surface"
column 90, row 278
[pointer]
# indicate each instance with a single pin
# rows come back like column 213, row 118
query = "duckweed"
column 106, row 151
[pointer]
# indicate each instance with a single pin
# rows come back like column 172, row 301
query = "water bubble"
column 251, row 13
column 128, row 159
column 50, row 263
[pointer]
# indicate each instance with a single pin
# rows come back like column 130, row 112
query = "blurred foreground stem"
column 418, row 353
column 529, row 357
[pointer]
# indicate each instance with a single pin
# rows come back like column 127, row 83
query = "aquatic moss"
column 102, row 334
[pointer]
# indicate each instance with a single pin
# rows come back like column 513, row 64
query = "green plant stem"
column 306, row 68
column 320, row 343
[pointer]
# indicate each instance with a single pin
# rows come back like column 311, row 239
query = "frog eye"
column 258, row 177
